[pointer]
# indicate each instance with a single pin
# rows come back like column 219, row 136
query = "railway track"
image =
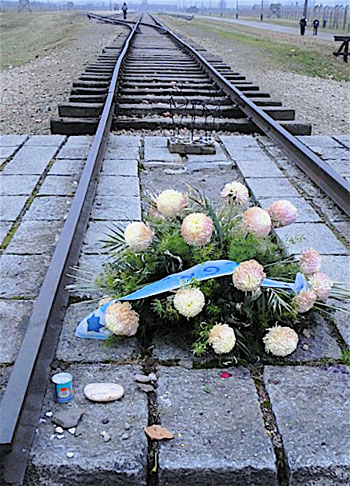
column 122, row 67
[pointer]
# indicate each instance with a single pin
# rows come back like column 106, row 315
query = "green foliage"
column 345, row 358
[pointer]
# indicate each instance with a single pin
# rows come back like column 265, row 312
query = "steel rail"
column 28, row 355
column 112, row 20
column 330, row 181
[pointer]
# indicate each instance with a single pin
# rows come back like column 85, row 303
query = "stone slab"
column 17, row 185
column 120, row 185
column 72, row 349
column 30, row 160
column 120, row 167
column 208, row 165
column 306, row 214
column 312, row 406
column 318, row 141
column 6, row 152
column 219, row 156
column 4, row 378
column 89, row 267
column 45, row 140
column 22, row 276
column 79, row 141
column 116, row 462
column 319, row 345
column 271, row 187
column 11, row 206
column 299, row 236
column 119, row 208
column 124, row 141
column 119, row 152
column 219, row 435
column 48, row 208
column 73, row 152
column 67, row 167
column 159, row 154
column 12, row 140
column 14, row 317
column 35, row 238
column 233, row 143
column 262, row 167
column 97, row 232
column 343, row 139
column 63, row 185
column 171, row 346
column 341, row 320
column 337, row 267
column 4, row 229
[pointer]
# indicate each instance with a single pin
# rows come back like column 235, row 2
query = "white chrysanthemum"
column 235, row 192
column 281, row 341
column 170, row 203
column 257, row 221
column 248, row 276
column 121, row 319
column 189, row 301
column 138, row 236
column 222, row 338
column 197, row 229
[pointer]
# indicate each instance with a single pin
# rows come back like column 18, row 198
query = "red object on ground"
column 225, row 375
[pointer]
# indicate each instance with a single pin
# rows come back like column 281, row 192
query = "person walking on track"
column 125, row 10
column 302, row 24
column 315, row 24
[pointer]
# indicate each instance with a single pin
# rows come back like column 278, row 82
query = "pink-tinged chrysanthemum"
column 121, row 319
column 138, row 236
column 189, row 301
column 282, row 213
column 154, row 213
column 281, row 341
column 235, row 192
column 257, row 221
column 222, row 338
column 248, row 276
column 104, row 300
column 310, row 261
column 197, row 229
column 321, row 284
column 304, row 301
column 170, row 203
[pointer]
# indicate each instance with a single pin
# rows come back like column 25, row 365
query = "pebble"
column 307, row 333
column 59, row 430
column 305, row 347
column 60, row 436
column 72, row 430
column 70, row 454
column 68, row 418
column 153, row 376
column 106, row 436
column 103, row 392
column 142, row 378
column 49, row 414
column 125, row 436
column 145, row 388
column 127, row 426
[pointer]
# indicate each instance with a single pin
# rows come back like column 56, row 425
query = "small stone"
column 72, row 430
column 42, row 421
column 70, row 454
column 127, row 426
column 307, row 333
column 49, row 414
column 60, row 436
column 105, row 421
column 152, row 376
column 125, row 436
column 145, row 388
column 305, row 347
column 106, row 436
column 103, row 392
column 59, row 430
column 68, row 418
column 142, row 378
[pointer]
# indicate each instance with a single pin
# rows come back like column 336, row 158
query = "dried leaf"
column 157, row 432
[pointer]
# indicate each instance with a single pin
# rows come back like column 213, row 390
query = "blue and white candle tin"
column 62, row 387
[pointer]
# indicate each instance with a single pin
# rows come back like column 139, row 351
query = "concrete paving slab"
column 319, row 345
column 73, row 152
column 218, row 428
column 120, row 185
column 14, row 316
column 35, row 238
column 120, row 152
column 271, row 187
column 79, row 141
column 6, row 152
column 219, row 156
column 337, row 267
column 30, row 160
column 45, row 140
column 11, row 206
column 119, row 208
column 17, row 185
column 97, row 232
column 262, row 167
column 89, row 267
column 318, row 141
column 343, row 139
column 207, row 165
column 124, row 141
column 4, row 378
column 49, row 208
column 77, row 350
column 64, row 185
column 12, row 140
column 340, row 166
column 312, row 406
column 306, row 214
column 95, row 461
column 233, row 143
column 299, row 236
column 341, row 320
column 67, row 167
column 171, row 346
column 22, row 276
column 158, row 153
column 120, row 167
column 4, row 229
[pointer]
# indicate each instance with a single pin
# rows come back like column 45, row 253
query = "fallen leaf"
column 157, row 432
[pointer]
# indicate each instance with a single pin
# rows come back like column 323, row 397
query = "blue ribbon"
column 93, row 326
